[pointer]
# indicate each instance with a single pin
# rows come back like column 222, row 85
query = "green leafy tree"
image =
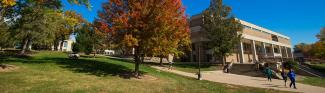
column 75, row 48
column 35, row 23
column 69, row 24
column 222, row 29
column 6, row 40
column 89, row 39
column 291, row 65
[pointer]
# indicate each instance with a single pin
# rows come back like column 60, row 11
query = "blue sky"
column 299, row 19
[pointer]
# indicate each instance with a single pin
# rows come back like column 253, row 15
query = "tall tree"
column 89, row 38
column 318, row 50
column 222, row 29
column 321, row 35
column 5, row 40
column 71, row 22
column 304, row 48
column 6, row 3
column 146, row 25
column 34, row 22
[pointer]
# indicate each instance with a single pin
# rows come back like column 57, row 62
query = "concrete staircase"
column 250, row 70
column 246, row 69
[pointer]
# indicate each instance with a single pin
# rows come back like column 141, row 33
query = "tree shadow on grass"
column 194, row 66
column 94, row 67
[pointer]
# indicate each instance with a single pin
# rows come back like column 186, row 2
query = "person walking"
column 285, row 77
column 170, row 61
column 226, row 68
column 268, row 72
column 292, row 77
column 170, row 65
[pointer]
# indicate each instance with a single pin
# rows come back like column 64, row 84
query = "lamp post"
column 199, row 63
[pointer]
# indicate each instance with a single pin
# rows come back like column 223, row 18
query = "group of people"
column 291, row 74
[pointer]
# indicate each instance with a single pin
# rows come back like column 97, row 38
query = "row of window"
column 247, row 49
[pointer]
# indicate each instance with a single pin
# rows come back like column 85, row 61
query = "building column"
column 293, row 58
column 280, row 51
column 241, row 52
column 291, row 53
column 264, row 50
column 287, row 53
column 255, row 58
column 273, row 54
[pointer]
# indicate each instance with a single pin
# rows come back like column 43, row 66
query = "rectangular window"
column 276, row 50
column 268, row 49
column 65, row 44
column 258, row 49
column 247, row 47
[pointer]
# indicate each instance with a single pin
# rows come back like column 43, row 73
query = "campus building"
column 258, row 44
column 67, row 45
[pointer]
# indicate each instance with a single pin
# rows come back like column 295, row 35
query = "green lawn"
column 313, row 81
column 193, row 68
column 52, row 72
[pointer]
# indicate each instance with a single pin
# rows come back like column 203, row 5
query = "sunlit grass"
column 53, row 72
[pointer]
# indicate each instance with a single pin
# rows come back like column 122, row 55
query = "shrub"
column 88, row 49
column 76, row 48
column 290, row 65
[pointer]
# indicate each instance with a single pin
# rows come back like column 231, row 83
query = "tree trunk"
column 23, row 50
column 161, row 59
column 137, row 62
column 222, row 60
column 29, row 45
column 55, row 45
column 95, row 53
column 142, row 58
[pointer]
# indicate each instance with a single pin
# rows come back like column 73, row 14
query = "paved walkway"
column 219, row 76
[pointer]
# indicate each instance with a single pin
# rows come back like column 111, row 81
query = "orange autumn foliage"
column 151, row 27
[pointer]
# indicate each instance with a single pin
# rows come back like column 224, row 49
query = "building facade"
column 67, row 46
column 257, row 44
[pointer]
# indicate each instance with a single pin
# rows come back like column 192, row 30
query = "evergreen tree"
column 88, row 39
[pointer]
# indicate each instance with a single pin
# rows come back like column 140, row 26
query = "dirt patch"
column 146, row 78
column 232, row 86
column 7, row 68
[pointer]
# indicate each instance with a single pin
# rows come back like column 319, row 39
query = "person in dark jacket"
column 285, row 77
column 292, row 77
column 268, row 72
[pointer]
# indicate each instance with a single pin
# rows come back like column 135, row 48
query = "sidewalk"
column 219, row 76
